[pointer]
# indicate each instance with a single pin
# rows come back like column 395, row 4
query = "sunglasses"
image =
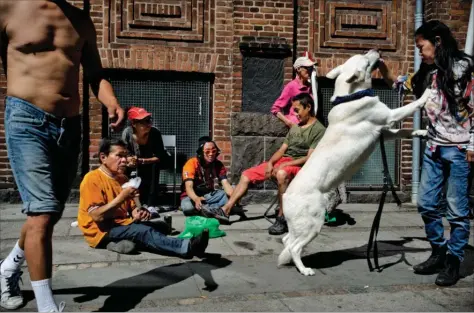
column 147, row 120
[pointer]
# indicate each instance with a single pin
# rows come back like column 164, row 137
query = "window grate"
column 179, row 107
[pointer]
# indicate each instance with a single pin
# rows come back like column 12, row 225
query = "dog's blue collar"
column 357, row 95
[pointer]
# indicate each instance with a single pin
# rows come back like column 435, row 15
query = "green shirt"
column 301, row 140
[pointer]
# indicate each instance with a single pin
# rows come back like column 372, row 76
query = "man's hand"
column 198, row 202
column 268, row 171
column 470, row 156
column 289, row 123
column 276, row 169
column 115, row 113
column 129, row 193
column 141, row 215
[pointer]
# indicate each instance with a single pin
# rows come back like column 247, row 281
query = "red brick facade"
column 204, row 36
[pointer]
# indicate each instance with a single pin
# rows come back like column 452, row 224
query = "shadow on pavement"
column 386, row 248
column 125, row 294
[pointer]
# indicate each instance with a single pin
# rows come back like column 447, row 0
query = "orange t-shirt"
column 97, row 189
column 203, row 178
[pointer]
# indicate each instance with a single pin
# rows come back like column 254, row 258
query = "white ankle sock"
column 44, row 295
column 14, row 261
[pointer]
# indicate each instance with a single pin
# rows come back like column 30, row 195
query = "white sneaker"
column 11, row 297
column 61, row 307
column 154, row 211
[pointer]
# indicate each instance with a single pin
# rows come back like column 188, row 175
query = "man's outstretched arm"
column 101, row 88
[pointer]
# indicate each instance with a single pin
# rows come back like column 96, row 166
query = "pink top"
column 283, row 103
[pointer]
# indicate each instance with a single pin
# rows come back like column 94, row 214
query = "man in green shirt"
column 299, row 143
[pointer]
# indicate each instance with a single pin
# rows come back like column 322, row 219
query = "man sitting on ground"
column 201, row 174
column 109, row 218
column 284, row 164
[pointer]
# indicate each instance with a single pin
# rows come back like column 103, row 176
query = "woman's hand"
column 132, row 161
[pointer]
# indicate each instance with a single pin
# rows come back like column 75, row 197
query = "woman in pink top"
column 303, row 66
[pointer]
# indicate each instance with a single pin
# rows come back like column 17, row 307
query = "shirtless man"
column 44, row 42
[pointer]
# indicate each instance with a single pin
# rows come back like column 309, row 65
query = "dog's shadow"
column 125, row 294
column 386, row 248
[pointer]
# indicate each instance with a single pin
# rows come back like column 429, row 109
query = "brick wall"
column 454, row 13
column 205, row 36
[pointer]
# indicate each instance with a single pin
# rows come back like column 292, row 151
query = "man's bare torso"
column 45, row 41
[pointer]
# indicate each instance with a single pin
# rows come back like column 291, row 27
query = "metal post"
column 415, row 181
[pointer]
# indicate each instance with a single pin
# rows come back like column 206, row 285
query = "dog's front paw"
column 420, row 133
column 426, row 95
column 306, row 271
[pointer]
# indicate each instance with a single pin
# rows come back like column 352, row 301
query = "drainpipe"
column 295, row 34
column 415, row 181
column 85, row 113
column 470, row 33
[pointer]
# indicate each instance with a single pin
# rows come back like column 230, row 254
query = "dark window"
column 262, row 83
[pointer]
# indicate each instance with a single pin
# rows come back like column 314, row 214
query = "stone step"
column 73, row 252
column 10, row 212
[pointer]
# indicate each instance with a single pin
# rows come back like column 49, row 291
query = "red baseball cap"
column 135, row 113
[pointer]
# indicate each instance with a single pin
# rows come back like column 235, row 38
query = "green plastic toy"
column 330, row 219
column 194, row 225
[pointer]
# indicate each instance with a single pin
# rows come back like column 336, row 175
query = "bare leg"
column 37, row 236
column 21, row 241
column 238, row 192
column 283, row 182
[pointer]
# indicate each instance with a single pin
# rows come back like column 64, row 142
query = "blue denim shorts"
column 43, row 152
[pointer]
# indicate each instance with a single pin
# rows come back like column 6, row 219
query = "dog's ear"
column 334, row 72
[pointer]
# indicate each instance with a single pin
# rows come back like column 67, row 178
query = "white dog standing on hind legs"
column 355, row 124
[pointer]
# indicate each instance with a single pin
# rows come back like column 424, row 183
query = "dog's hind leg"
column 285, row 255
column 296, row 247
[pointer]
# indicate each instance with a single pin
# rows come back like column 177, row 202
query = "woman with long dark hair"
column 450, row 145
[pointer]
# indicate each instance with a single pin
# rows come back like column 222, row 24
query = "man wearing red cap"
column 145, row 144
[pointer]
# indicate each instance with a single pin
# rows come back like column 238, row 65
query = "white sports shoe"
column 11, row 297
column 61, row 307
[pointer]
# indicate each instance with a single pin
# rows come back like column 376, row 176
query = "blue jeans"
column 149, row 237
column 445, row 165
column 214, row 199
column 43, row 152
